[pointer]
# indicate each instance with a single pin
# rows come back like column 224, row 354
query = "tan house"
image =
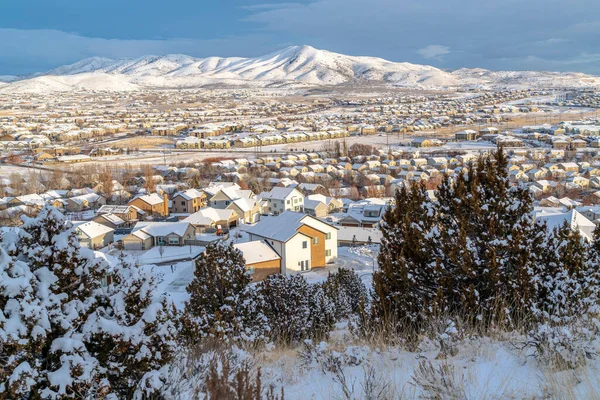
column 111, row 221
column 85, row 202
column 188, row 201
column 126, row 213
column 93, row 235
column 207, row 218
column 261, row 259
column 247, row 210
column 148, row 234
column 315, row 208
column 153, row 204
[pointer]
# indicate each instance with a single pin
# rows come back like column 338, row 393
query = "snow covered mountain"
column 297, row 66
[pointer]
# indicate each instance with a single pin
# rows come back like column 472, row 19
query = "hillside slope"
column 297, row 65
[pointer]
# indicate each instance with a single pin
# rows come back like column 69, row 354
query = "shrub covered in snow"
column 55, row 317
column 345, row 288
column 295, row 309
column 221, row 304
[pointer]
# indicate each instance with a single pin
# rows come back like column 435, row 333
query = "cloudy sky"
column 37, row 35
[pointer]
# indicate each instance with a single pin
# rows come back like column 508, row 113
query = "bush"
column 347, row 292
column 294, row 309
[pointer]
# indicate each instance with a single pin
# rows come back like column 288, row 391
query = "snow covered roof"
column 257, row 251
column 157, row 229
column 189, row 194
column 112, row 218
column 576, row 221
column 114, row 209
column 151, row 199
column 283, row 227
column 280, row 193
column 208, row 215
column 91, row 229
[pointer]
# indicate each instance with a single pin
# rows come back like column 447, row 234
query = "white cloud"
column 434, row 51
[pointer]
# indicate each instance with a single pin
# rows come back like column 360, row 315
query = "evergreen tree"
column 473, row 251
column 590, row 278
column 345, row 288
column 488, row 241
column 285, row 304
column 561, row 280
column 62, row 334
column 219, row 296
column 322, row 312
column 47, row 296
column 142, row 333
column 406, row 285
column 295, row 310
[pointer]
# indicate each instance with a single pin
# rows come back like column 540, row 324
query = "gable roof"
column 257, row 251
column 152, row 199
column 280, row 193
column 92, row 229
column 162, row 228
column 283, row 227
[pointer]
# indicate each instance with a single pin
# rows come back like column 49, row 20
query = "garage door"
column 132, row 245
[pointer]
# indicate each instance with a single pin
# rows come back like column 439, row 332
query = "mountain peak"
column 294, row 65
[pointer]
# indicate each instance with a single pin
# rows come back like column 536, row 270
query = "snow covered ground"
column 483, row 368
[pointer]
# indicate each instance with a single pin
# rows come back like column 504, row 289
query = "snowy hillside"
column 299, row 65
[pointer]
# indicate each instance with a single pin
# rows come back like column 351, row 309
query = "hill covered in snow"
column 300, row 66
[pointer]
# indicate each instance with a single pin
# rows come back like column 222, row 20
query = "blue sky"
column 37, row 35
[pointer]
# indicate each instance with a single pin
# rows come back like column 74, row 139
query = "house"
column 153, row 204
column 281, row 199
column 466, row 135
column 315, row 208
column 220, row 196
column 422, row 142
column 148, row 234
column 85, row 202
column 212, row 218
column 261, row 259
column 333, row 204
column 247, row 210
column 93, row 235
column 111, row 221
column 126, row 213
column 366, row 213
column 573, row 218
column 303, row 242
column 188, row 201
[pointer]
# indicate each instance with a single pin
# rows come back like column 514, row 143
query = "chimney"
column 166, row 205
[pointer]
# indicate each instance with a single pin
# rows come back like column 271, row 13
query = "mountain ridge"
column 301, row 66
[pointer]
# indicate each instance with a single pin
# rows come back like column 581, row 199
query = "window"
column 183, row 203
column 328, row 236
column 327, row 253
column 315, row 240
column 251, row 269
column 301, row 265
column 304, row 244
column 173, row 240
column 307, row 265
column 288, row 202
column 106, row 280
